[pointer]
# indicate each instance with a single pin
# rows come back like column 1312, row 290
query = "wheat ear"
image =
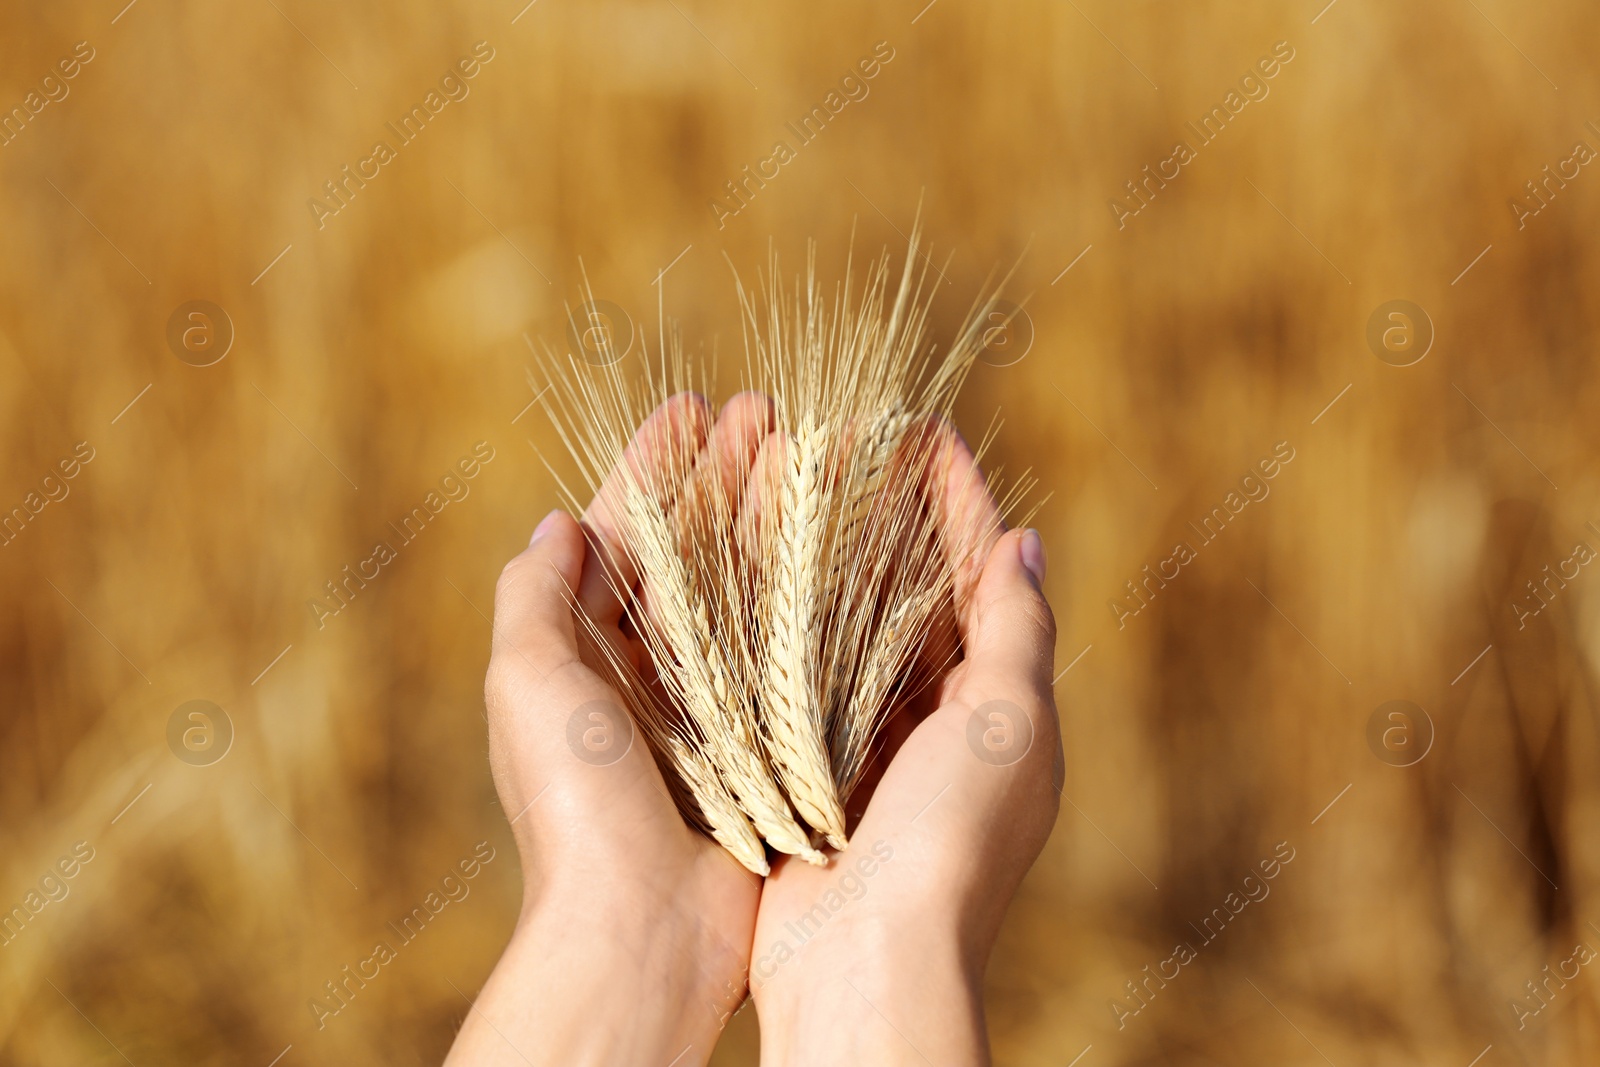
column 706, row 521
column 679, row 629
column 873, row 449
column 696, row 790
column 794, row 711
column 888, row 591
column 727, row 822
column 892, row 651
column 854, row 579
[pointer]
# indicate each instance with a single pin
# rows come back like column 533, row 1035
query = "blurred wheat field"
column 1215, row 722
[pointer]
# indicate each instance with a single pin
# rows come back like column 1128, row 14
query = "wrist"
column 873, row 989
column 597, row 980
column 657, row 960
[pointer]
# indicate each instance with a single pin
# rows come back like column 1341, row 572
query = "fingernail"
column 543, row 527
column 1031, row 548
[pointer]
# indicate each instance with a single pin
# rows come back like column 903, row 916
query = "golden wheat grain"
column 717, row 602
column 694, row 785
column 679, row 628
column 868, row 465
column 677, row 622
column 782, row 652
column 881, row 610
column 727, row 821
column 892, row 650
column 793, row 709
column 853, row 575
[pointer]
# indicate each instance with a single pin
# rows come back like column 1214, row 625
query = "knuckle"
column 514, row 578
column 500, row 683
column 1026, row 616
column 1038, row 618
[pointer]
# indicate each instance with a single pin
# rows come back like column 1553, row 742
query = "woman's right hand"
column 879, row 957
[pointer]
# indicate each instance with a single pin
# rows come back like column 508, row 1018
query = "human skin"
column 894, row 975
column 636, row 933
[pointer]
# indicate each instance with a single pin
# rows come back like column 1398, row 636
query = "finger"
column 993, row 743
column 723, row 466
column 940, row 651
column 1011, row 633
column 760, row 497
column 655, row 462
column 545, row 716
column 709, row 497
column 533, row 622
column 969, row 520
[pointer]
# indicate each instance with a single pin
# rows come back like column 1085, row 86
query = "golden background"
column 1177, row 351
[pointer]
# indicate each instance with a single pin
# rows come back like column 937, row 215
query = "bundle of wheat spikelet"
column 782, row 607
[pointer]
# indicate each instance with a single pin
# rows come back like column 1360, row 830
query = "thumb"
column 533, row 620
column 1011, row 633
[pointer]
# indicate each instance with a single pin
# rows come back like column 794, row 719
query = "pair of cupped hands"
column 638, row 937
